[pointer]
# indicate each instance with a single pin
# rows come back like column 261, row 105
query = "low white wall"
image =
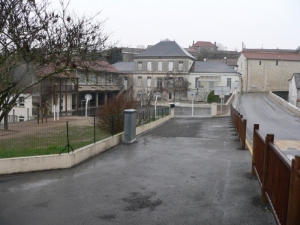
column 65, row 160
column 285, row 104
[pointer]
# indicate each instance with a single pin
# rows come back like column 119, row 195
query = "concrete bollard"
column 129, row 126
column 214, row 109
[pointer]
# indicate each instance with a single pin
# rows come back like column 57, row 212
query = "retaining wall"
column 285, row 104
column 65, row 160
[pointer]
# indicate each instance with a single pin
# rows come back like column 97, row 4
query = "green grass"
column 51, row 142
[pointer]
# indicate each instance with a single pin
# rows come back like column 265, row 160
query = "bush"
column 110, row 117
column 212, row 97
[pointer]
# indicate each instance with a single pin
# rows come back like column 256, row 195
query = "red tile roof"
column 44, row 71
column 99, row 66
column 191, row 49
column 204, row 44
column 272, row 56
column 229, row 62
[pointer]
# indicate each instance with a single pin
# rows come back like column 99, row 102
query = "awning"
column 209, row 78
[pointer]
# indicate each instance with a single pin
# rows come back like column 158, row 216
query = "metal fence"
column 52, row 137
column 149, row 115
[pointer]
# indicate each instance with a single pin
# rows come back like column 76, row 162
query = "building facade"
column 264, row 71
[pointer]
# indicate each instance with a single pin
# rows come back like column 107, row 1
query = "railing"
column 149, row 115
column 279, row 178
column 240, row 125
column 53, row 137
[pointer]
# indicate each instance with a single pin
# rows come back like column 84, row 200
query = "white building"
column 294, row 90
column 206, row 75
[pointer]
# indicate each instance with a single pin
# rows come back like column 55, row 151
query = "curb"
column 249, row 146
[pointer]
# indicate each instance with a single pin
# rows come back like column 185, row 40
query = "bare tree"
column 176, row 84
column 35, row 40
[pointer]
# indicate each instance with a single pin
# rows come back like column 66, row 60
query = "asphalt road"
column 258, row 108
column 187, row 171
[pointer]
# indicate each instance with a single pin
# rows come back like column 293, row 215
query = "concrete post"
column 214, row 109
column 172, row 109
column 129, row 126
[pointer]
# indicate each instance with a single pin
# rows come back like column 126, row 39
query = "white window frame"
column 159, row 66
column 149, row 79
column 149, row 66
column 140, row 81
column 159, row 82
column 140, row 66
column 171, row 66
column 180, row 66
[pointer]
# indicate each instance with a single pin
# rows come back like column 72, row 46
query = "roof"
column 191, row 49
column 127, row 67
column 165, row 49
column 99, row 66
column 204, row 44
column 44, row 71
column 229, row 62
column 272, row 56
column 212, row 67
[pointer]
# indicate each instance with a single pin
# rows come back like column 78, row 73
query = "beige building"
column 267, row 70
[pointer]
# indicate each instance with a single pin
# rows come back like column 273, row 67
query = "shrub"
column 110, row 118
column 212, row 97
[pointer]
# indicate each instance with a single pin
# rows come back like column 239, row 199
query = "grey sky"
column 257, row 23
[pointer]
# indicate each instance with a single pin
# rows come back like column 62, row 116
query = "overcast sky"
column 257, row 23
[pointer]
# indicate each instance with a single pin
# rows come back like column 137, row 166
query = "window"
column 159, row 66
column 196, row 82
column 149, row 81
column 140, row 79
column 211, row 85
column 170, row 96
column 125, row 82
column 159, row 82
column 140, row 65
column 21, row 101
column 277, row 63
column 149, row 66
column 229, row 82
column 170, row 66
column 180, row 66
column 259, row 62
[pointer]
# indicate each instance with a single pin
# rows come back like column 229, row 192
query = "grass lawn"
column 51, row 142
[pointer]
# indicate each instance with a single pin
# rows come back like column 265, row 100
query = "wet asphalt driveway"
column 187, row 171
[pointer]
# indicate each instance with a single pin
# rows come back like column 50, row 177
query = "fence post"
column 256, row 127
column 293, row 215
column 269, row 138
column 94, row 129
column 112, row 125
column 243, row 135
column 240, row 125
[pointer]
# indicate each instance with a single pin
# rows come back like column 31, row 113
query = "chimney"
column 193, row 42
column 215, row 44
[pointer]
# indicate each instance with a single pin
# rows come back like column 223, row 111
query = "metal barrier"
column 240, row 125
column 278, row 177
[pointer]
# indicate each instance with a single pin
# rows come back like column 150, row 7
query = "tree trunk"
column 5, row 121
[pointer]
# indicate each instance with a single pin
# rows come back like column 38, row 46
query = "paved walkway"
column 187, row 171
